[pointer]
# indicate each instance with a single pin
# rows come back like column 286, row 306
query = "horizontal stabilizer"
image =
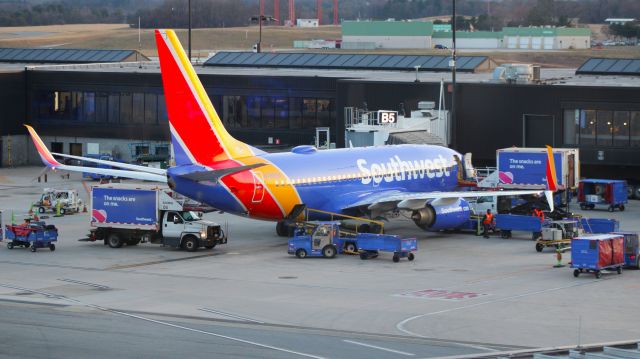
column 127, row 166
column 215, row 175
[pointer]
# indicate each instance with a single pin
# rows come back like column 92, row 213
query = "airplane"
column 214, row 168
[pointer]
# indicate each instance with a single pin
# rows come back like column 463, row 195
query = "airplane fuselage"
column 328, row 180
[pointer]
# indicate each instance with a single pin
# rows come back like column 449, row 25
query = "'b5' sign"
column 387, row 117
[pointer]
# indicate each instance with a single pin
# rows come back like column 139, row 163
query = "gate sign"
column 387, row 117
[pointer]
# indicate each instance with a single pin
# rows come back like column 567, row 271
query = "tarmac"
column 462, row 295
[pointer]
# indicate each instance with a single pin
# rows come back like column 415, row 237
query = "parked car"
column 440, row 47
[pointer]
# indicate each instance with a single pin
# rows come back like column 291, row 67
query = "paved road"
column 61, row 331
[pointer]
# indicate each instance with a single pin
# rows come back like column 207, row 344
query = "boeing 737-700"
column 214, row 168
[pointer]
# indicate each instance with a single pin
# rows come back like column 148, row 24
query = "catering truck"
column 128, row 215
column 526, row 168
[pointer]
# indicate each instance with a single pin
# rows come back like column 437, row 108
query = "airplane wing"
column 50, row 161
column 127, row 166
column 417, row 200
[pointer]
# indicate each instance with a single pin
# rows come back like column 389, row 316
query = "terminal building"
column 423, row 35
column 279, row 100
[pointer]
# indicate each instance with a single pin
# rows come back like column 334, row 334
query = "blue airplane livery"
column 214, row 168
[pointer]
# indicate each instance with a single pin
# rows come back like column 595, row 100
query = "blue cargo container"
column 595, row 192
column 597, row 253
column 631, row 249
column 370, row 244
column 513, row 222
column 600, row 225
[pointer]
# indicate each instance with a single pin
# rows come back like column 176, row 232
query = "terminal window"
column 602, row 128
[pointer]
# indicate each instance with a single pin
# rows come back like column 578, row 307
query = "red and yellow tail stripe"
column 43, row 151
column 552, row 181
column 200, row 134
column 193, row 119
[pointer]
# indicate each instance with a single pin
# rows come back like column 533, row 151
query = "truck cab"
column 185, row 229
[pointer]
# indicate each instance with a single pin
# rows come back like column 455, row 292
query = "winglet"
column 549, row 196
column 552, row 181
column 43, row 151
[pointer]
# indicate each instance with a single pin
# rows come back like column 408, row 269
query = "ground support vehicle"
column 597, row 253
column 558, row 234
column 596, row 192
column 631, row 249
column 67, row 201
column 128, row 215
column 600, row 225
column 522, row 168
column 369, row 245
column 34, row 235
column 507, row 223
column 323, row 240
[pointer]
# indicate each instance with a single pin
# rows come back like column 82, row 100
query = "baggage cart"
column 597, row 253
column 631, row 249
column 369, row 245
column 595, row 192
column 558, row 234
column 507, row 223
column 32, row 235
column 600, row 225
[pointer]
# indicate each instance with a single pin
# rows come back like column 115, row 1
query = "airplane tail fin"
column 197, row 133
column 552, row 181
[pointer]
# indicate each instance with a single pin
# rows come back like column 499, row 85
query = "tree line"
column 479, row 14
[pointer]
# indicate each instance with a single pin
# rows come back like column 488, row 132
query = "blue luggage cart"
column 34, row 235
column 600, row 225
column 611, row 193
column 369, row 245
column 597, row 253
column 507, row 223
column 631, row 249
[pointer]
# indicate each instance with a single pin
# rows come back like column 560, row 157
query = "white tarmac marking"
column 225, row 314
column 61, row 297
column 379, row 348
column 400, row 325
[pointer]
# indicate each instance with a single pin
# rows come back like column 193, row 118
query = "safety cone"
column 558, row 259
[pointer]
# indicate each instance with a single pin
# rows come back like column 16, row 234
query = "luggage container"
column 507, row 223
column 597, row 253
column 600, row 225
column 370, row 244
column 34, row 235
column 597, row 192
column 631, row 249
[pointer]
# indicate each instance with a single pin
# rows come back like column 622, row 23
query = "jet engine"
column 439, row 214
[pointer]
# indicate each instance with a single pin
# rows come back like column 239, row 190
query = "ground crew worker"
column 487, row 222
column 537, row 212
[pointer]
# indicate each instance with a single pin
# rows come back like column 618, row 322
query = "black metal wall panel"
column 598, row 66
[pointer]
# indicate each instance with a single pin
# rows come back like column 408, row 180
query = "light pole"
column 260, row 19
column 452, row 64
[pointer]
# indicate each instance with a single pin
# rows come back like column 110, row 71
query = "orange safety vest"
column 488, row 218
column 538, row 213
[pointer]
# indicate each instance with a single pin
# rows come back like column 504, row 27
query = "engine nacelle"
column 439, row 214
